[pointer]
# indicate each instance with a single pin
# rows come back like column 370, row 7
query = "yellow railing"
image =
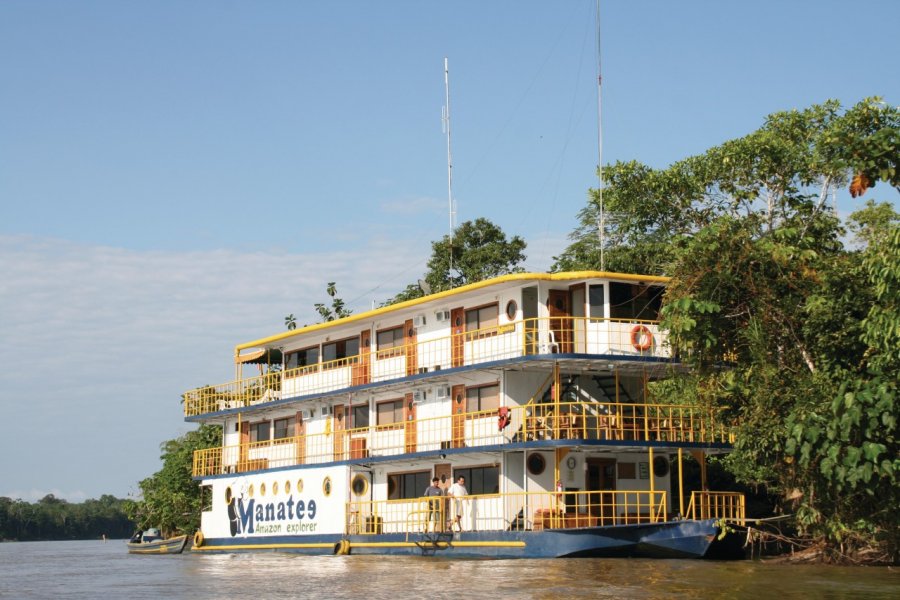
column 539, row 421
column 533, row 511
column 234, row 394
column 544, row 336
column 717, row 505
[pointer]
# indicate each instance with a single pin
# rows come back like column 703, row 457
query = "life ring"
column 641, row 338
column 198, row 538
column 503, row 418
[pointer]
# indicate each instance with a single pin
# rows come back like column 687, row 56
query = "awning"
column 263, row 356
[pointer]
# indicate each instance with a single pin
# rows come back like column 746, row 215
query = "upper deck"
column 512, row 320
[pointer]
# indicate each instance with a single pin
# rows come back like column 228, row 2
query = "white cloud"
column 97, row 343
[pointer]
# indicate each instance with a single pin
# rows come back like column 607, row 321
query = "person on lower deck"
column 458, row 491
column 434, row 493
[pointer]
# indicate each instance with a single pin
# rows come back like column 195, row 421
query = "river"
column 95, row 569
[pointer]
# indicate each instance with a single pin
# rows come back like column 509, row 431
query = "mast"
column 600, row 223
column 446, row 121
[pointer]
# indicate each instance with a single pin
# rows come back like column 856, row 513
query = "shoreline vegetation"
column 55, row 519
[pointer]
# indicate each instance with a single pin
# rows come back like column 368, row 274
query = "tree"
column 171, row 498
column 478, row 250
column 337, row 310
column 762, row 282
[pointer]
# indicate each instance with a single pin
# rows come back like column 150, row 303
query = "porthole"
column 275, row 488
column 360, row 485
column 262, row 489
column 287, row 487
column 511, row 309
column 299, row 486
column 250, row 490
column 326, row 486
column 536, row 463
column 228, row 495
column 560, row 304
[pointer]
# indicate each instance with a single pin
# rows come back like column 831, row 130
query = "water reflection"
column 92, row 569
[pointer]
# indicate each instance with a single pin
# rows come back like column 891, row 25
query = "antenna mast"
column 600, row 223
column 445, row 117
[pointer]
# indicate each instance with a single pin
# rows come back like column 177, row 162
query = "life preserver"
column 198, row 538
column 503, row 418
column 641, row 338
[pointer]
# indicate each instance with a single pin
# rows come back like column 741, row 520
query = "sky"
column 176, row 177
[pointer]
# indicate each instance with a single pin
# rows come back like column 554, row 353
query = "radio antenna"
column 600, row 223
column 445, row 118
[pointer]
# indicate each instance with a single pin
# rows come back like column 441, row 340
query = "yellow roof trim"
column 564, row 276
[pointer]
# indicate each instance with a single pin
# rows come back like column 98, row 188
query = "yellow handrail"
column 575, row 421
column 513, row 511
column 542, row 336
column 729, row 506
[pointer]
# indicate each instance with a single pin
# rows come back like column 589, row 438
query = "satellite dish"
column 423, row 285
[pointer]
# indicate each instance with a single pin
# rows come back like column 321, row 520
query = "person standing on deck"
column 434, row 493
column 458, row 491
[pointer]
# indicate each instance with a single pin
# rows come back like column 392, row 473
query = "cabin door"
column 409, row 347
column 360, row 372
column 601, row 480
column 457, row 336
column 530, row 318
column 560, row 320
column 340, row 427
column 458, row 420
column 409, row 423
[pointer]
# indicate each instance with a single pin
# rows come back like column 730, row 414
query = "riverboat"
column 536, row 388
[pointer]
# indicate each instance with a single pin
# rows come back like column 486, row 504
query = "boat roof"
column 512, row 278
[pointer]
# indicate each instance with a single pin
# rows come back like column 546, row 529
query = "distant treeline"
column 52, row 518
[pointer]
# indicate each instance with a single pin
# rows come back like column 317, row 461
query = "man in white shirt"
column 458, row 492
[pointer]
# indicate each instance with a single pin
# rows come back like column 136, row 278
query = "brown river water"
column 94, row 569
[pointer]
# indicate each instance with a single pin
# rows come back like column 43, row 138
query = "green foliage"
column 809, row 330
column 171, row 498
column 53, row 518
column 479, row 249
column 337, row 311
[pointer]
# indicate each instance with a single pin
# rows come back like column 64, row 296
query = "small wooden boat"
column 151, row 542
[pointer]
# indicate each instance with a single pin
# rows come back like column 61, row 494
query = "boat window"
column 635, row 301
column 260, row 432
column 301, row 358
column 486, row 397
column 480, row 480
column 284, row 428
column 596, row 301
column 511, row 310
column 482, row 318
column 359, row 485
column 340, row 349
column 360, row 415
column 388, row 339
column 389, row 412
column 408, row 485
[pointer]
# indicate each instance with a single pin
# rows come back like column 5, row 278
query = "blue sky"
column 175, row 177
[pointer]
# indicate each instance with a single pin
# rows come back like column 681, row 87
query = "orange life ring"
column 641, row 338
column 502, row 418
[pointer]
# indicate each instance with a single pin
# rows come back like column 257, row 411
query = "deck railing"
column 614, row 421
column 729, row 506
column 544, row 336
column 503, row 512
